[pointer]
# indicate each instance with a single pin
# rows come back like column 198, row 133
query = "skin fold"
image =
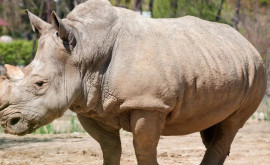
column 116, row 69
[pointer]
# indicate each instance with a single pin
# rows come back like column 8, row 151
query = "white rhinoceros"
column 152, row 77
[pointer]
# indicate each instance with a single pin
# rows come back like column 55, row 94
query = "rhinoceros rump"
column 152, row 77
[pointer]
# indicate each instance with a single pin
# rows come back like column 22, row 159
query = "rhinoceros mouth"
column 16, row 124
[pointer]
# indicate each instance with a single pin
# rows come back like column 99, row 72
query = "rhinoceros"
column 118, row 70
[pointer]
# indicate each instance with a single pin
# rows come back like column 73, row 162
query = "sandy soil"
column 250, row 147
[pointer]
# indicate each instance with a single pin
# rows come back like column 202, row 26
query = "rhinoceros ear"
column 38, row 25
column 13, row 73
column 64, row 31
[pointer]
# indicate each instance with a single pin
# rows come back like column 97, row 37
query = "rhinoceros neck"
column 96, row 33
column 95, row 92
column 97, row 53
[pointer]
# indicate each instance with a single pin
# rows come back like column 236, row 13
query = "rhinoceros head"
column 42, row 91
column 66, row 72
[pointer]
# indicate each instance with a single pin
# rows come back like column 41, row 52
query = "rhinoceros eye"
column 40, row 87
column 39, row 84
column 57, row 34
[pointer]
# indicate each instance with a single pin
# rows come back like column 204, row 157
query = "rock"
column 6, row 39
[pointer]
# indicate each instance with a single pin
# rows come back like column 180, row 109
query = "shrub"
column 16, row 53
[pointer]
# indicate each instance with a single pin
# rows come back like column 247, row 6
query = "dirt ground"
column 250, row 147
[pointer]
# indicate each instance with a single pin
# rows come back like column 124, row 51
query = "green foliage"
column 72, row 122
column 206, row 9
column 44, row 130
column 16, row 53
column 264, row 2
column 161, row 9
column 75, row 125
column 267, row 111
column 122, row 3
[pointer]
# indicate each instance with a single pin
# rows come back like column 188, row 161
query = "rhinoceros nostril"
column 14, row 121
column 3, row 106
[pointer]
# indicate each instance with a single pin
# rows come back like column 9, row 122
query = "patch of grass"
column 61, row 126
column 263, row 111
column 44, row 130
column 72, row 122
column 75, row 125
column 267, row 111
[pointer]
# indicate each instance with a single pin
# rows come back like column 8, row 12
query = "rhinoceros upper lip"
column 8, row 113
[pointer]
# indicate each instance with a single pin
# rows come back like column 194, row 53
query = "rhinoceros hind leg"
column 217, row 140
column 109, row 141
column 146, row 127
column 208, row 135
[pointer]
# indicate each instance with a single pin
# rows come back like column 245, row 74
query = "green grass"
column 267, row 111
column 70, row 126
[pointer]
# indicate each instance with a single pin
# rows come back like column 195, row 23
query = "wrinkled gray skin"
column 152, row 77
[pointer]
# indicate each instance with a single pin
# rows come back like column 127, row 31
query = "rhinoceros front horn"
column 13, row 73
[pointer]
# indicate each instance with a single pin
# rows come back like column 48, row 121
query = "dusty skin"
column 119, row 70
column 79, row 148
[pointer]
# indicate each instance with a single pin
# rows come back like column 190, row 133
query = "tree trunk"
column 174, row 7
column 268, row 71
column 75, row 3
column 137, row 5
column 219, row 11
column 237, row 11
column 35, row 35
column 151, row 8
column 48, row 10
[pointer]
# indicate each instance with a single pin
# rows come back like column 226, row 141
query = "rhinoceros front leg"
column 109, row 141
column 146, row 127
